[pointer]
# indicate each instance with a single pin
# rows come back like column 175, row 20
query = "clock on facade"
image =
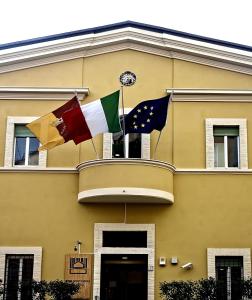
column 127, row 78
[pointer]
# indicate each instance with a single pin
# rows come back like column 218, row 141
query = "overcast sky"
column 229, row 20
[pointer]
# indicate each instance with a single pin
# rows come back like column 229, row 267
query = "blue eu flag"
column 147, row 116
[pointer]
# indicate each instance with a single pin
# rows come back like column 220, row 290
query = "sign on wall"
column 78, row 269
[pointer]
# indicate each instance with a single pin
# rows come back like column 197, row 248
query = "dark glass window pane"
column 229, row 270
column 118, row 145
column 18, row 277
column 27, row 272
column 233, row 151
column 136, row 239
column 33, row 152
column 12, row 275
column 134, row 145
column 219, row 160
column 20, row 151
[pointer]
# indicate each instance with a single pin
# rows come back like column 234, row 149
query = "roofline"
column 121, row 25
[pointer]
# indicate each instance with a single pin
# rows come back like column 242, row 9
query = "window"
column 21, row 147
column 25, row 147
column 132, row 144
column 226, row 143
column 228, row 266
column 229, row 273
column 18, row 277
column 136, row 145
column 18, row 266
column 226, row 146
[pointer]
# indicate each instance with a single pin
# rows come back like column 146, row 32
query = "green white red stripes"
column 93, row 118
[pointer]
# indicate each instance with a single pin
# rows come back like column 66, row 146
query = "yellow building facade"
column 178, row 213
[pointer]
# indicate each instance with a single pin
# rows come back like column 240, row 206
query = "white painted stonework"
column 242, row 123
column 99, row 250
column 36, row 251
column 9, row 142
column 213, row 252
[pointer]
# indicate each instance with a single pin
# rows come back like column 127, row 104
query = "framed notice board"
column 78, row 269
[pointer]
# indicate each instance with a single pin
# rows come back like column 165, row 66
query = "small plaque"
column 78, row 269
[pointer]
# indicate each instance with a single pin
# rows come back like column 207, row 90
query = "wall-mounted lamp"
column 187, row 266
column 77, row 246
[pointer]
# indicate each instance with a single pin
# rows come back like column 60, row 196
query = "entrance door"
column 124, row 277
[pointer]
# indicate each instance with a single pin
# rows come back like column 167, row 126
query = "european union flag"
column 147, row 116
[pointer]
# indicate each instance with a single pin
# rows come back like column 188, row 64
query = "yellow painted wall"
column 41, row 209
column 209, row 211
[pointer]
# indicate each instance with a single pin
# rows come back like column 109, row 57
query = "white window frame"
column 99, row 250
column 36, row 251
column 9, row 159
column 242, row 252
column 242, row 142
column 108, row 139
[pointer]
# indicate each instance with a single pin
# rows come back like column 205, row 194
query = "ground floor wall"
column 210, row 211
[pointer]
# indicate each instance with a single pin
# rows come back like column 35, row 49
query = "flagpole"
column 97, row 156
column 154, row 155
column 124, row 142
column 170, row 99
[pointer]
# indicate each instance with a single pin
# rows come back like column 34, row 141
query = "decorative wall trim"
column 126, row 161
column 132, row 194
column 213, row 252
column 38, row 170
column 243, row 152
column 20, row 93
column 9, row 141
column 36, row 251
column 209, row 92
column 126, row 38
column 99, row 250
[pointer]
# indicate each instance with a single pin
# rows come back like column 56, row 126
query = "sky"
column 229, row 20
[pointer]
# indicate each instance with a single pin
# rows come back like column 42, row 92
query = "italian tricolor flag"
column 86, row 121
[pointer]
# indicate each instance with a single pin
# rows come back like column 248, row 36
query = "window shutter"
column 226, row 130
column 22, row 131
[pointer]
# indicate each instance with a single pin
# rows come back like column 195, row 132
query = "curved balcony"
column 125, row 181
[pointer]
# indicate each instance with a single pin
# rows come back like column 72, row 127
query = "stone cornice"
column 126, row 38
column 31, row 93
column 154, row 163
column 210, row 95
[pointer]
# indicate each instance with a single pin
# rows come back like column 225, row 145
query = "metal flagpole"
column 170, row 99
column 97, row 156
column 127, row 78
column 124, row 144
column 157, row 144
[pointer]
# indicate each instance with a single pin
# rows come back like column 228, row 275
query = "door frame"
column 99, row 250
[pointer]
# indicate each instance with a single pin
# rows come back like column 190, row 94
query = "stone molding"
column 243, row 152
column 127, row 38
column 36, row 251
column 37, row 93
column 99, row 250
column 9, row 142
column 213, row 252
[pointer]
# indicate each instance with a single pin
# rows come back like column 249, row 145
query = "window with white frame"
column 229, row 266
column 25, row 147
column 18, row 267
column 21, row 146
column 226, row 143
column 226, row 146
column 136, row 145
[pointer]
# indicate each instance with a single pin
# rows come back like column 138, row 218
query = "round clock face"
column 127, row 78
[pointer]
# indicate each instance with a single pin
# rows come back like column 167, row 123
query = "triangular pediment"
column 123, row 36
